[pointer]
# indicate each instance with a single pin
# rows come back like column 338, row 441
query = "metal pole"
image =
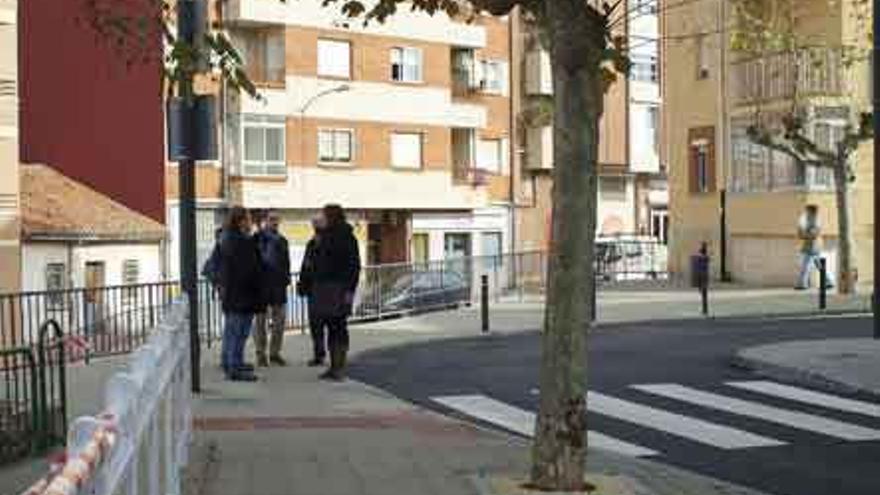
column 186, row 32
column 876, row 101
column 484, row 302
column 823, row 284
column 725, row 277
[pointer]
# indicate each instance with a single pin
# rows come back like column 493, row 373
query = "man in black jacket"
column 241, row 278
column 276, row 263
column 334, row 280
column 304, row 289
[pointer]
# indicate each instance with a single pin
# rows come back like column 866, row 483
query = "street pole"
column 186, row 32
column 725, row 277
column 876, row 117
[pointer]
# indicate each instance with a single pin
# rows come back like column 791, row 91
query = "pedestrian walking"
column 276, row 279
column 304, row 289
column 809, row 231
column 337, row 267
column 242, row 291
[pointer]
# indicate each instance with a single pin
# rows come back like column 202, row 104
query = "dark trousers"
column 316, row 328
column 337, row 333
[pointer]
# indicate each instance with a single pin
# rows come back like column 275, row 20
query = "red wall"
column 84, row 112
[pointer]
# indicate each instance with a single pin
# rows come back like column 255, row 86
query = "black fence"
column 33, row 400
column 115, row 320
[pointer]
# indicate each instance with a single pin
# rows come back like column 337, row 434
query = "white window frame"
column 652, row 64
column 331, row 70
column 336, row 159
column 263, row 167
column 401, row 53
column 500, row 69
column 399, row 166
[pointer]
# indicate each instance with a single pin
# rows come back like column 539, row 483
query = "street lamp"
column 342, row 88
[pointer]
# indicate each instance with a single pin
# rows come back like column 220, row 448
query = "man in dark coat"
column 240, row 275
column 335, row 276
column 276, row 279
column 304, row 289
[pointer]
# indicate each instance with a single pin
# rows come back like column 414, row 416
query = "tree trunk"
column 577, row 39
column 846, row 244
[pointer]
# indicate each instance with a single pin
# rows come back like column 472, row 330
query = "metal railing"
column 116, row 320
column 809, row 72
column 139, row 443
column 33, row 399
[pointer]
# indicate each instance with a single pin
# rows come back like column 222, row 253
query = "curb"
column 790, row 374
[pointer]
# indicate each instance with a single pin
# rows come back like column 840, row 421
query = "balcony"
column 815, row 72
column 256, row 12
column 539, row 73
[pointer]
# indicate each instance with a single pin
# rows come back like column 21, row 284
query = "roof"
column 56, row 207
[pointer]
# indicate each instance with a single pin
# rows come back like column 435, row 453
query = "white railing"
column 140, row 442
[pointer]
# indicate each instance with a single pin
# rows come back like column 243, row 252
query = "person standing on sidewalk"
column 337, row 267
column 276, row 263
column 809, row 231
column 304, row 289
column 242, row 291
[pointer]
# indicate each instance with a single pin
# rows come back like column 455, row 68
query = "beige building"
column 10, row 249
column 632, row 191
column 711, row 97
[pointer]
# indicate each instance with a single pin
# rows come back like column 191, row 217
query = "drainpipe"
column 721, row 138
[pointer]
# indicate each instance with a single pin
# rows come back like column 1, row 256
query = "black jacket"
column 241, row 273
column 276, row 264
column 335, row 271
column 307, row 270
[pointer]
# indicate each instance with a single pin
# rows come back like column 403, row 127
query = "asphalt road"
column 809, row 457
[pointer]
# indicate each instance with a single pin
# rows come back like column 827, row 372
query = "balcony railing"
column 813, row 72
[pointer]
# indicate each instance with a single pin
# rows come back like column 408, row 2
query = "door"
column 420, row 248
column 457, row 253
column 491, row 259
column 94, row 296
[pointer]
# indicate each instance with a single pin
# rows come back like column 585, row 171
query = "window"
column 263, row 54
column 130, row 272
column 702, row 159
column 653, row 125
column 612, row 189
column 406, row 150
column 263, row 145
column 490, row 155
column 406, row 65
column 702, row 57
column 493, row 77
column 335, row 145
column 463, row 68
column 56, row 276
column 334, row 58
column 644, row 68
column 643, row 7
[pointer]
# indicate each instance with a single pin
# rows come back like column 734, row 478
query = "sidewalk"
column 291, row 434
column 850, row 365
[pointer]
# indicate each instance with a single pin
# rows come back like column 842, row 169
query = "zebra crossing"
column 709, row 429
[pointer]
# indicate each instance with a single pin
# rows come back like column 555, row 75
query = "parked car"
column 418, row 291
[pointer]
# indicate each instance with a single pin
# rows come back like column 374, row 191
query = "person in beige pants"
column 276, row 263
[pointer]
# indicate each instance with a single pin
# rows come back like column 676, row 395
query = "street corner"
column 849, row 365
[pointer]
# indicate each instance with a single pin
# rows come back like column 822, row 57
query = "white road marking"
column 794, row 419
column 809, row 397
column 523, row 422
column 687, row 427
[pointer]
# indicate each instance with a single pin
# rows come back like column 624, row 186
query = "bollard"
column 593, row 309
column 823, row 284
column 704, row 295
column 484, row 302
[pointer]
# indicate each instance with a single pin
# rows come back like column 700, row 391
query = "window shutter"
column 711, row 175
column 693, row 174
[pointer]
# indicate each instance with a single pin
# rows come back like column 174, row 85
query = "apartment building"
column 407, row 124
column 632, row 196
column 9, row 211
column 732, row 193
